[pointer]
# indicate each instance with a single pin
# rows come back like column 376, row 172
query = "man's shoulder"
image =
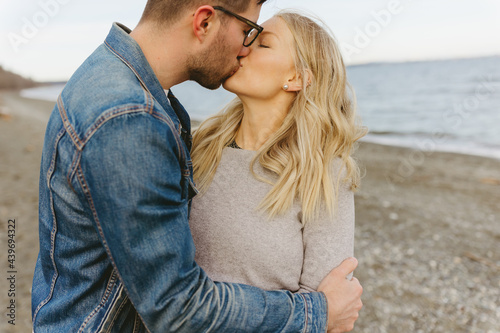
column 102, row 88
column 103, row 80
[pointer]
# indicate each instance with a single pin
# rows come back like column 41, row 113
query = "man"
column 116, row 253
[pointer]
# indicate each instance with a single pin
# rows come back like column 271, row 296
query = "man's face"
column 221, row 60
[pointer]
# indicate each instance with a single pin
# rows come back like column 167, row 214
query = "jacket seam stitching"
column 112, row 50
column 169, row 120
column 136, row 323
column 67, row 125
column 148, row 108
column 103, row 321
column 118, row 310
column 137, row 109
column 178, row 139
column 72, row 169
column 306, row 308
column 107, row 292
column 53, row 233
column 106, row 116
column 86, row 190
column 149, row 100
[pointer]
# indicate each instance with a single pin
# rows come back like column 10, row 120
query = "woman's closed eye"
column 263, row 46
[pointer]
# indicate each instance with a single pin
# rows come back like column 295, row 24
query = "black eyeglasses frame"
column 244, row 20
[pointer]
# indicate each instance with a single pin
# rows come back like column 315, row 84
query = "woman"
column 276, row 207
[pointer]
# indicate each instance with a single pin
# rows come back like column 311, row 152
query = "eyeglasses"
column 252, row 34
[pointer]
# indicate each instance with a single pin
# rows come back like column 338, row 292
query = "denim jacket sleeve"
column 133, row 182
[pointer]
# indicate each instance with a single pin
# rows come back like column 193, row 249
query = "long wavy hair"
column 320, row 127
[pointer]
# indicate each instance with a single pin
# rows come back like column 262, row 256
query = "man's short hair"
column 168, row 11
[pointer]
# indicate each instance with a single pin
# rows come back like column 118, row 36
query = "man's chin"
column 210, row 82
column 215, row 85
column 212, row 86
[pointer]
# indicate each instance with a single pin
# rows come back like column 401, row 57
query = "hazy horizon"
column 350, row 65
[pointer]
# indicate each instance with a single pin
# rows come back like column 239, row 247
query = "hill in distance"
column 9, row 80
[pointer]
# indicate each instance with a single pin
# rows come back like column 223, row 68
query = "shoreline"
column 427, row 230
column 426, row 143
column 431, row 148
column 429, row 145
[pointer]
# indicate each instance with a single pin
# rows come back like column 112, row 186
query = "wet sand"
column 427, row 233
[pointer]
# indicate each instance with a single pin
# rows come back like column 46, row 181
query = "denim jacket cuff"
column 316, row 312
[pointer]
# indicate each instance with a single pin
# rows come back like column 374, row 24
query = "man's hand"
column 344, row 297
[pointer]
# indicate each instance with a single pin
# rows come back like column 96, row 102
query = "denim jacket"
column 116, row 252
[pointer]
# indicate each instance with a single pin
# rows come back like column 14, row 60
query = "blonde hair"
column 320, row 127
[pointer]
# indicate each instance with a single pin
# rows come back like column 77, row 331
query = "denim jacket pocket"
column 114, row 310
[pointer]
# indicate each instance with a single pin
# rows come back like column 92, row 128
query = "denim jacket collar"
column 127, row 49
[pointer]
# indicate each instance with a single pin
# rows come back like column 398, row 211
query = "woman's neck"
column 261, row 119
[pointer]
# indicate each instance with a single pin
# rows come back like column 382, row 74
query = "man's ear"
column 296, row 83
column 203, row 22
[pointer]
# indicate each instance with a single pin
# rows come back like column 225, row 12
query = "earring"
column 285, row 87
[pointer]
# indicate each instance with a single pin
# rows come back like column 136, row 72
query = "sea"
column 445, row 105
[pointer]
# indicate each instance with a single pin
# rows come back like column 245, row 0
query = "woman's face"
column 268, row 66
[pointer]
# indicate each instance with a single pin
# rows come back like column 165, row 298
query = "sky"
column 47, row 40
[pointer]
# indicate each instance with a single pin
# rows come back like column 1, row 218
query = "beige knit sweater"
column 236, row 243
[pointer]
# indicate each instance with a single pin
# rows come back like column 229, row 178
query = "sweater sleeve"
column 328, row 240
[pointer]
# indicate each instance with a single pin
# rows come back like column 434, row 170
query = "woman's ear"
column 296, row 83
column 203, row 21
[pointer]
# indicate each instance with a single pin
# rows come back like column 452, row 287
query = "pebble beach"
column 427, row 231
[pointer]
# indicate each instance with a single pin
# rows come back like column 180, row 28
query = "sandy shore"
column 427, row 236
